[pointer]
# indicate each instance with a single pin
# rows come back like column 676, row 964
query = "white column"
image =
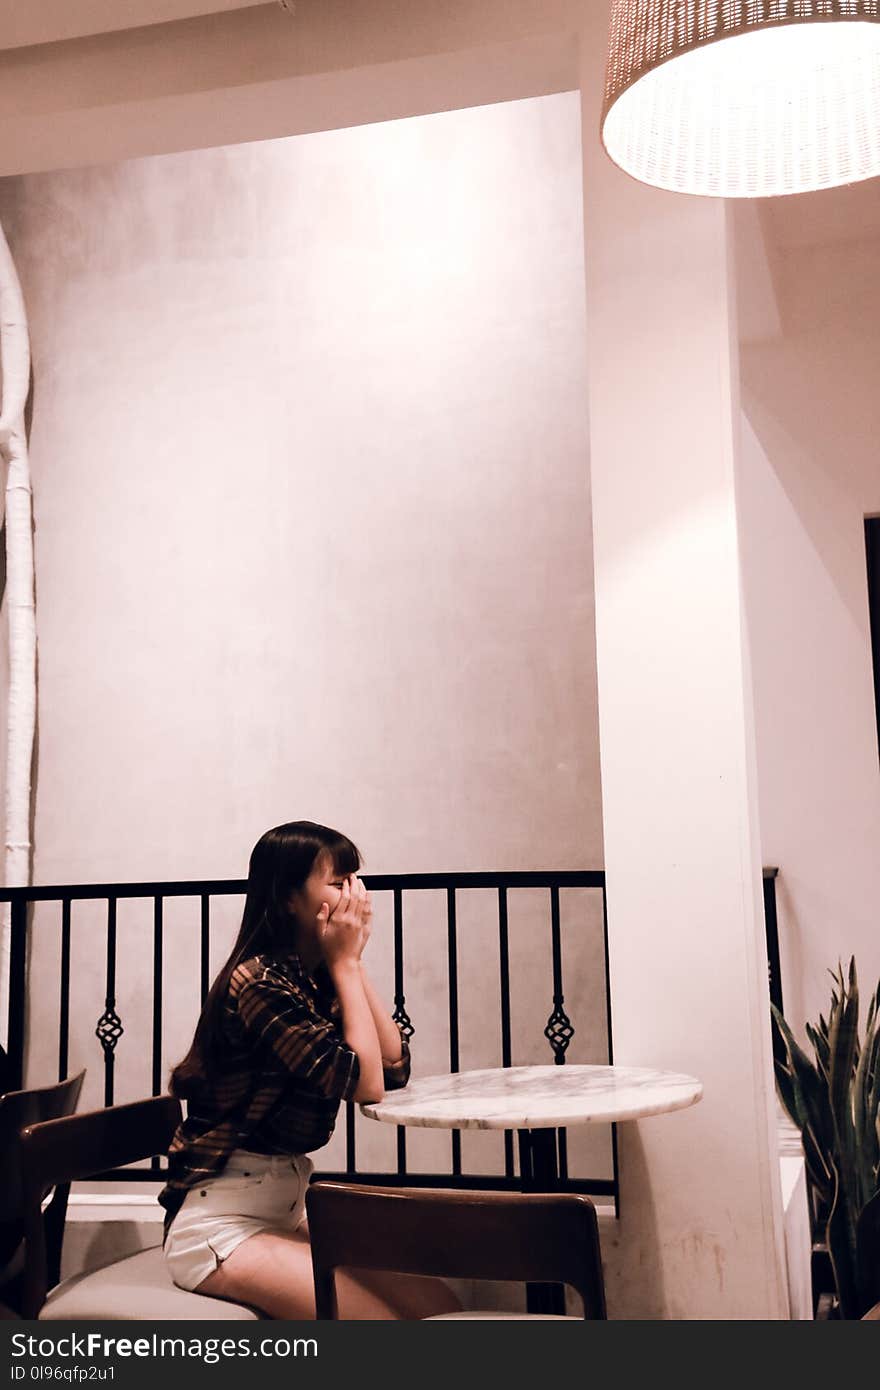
column 701, row 1231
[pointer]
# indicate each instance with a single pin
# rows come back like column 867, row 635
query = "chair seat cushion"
column 138, row 1287
column 492, row 1316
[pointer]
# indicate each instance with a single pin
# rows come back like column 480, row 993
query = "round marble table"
column 536, row 1101
column 535, row 1098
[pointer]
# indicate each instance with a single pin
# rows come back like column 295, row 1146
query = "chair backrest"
column 6, row 1071
column 62, row 1151
column 19, row 1109
column 545, row 1238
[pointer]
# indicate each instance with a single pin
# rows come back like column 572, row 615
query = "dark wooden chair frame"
column 548, row 1238
column 18, row 1111
column 66, row 1150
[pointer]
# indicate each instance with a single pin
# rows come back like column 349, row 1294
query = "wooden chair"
column 137, row 1286
column 6, row 1073
column 455, row 1234
column 18, row 1109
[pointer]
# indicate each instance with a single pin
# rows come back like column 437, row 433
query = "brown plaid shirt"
column 279, row 1083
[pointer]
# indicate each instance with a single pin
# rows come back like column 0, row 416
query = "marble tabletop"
column 535, row 1097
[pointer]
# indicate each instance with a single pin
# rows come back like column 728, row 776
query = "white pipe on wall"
column 20, row 600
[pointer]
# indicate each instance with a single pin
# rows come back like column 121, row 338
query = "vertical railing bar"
column 205, row 947
column 607, row 976
column 158, row 933
column 18, row 917
column 610, row 1041
column 350, row 1156
column 774, row 969
column 559, row 1031
column 558, row 1000
column 872, row 558
column 157, row 994
column 400, row 1014
column 452, row 953
column 398, row 948
column 504, row 970
column 771, row 929
column 110, row 1000
column 525, row 1159
column 64, row 1003
column 557, row 944
column 504, row 974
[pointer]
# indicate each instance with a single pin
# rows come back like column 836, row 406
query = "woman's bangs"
column 346, row 857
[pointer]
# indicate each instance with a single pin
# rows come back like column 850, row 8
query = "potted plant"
column 834, row 1099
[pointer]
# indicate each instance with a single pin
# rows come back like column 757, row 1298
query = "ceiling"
column 51, row 21
column 39, row 135
column 198, row 73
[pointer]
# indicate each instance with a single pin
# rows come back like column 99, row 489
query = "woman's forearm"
column 386, row 1029
column 359, row 1028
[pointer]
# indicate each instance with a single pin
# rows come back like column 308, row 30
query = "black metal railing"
column 558, row 1031
column 872, row 555
column 109, row 1029
column 771, row 927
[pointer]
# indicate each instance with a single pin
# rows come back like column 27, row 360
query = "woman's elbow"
column 369, row 1095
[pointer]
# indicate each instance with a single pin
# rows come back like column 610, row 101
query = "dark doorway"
column 872, row 549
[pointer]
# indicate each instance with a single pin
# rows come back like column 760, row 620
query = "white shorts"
column 254, row 1192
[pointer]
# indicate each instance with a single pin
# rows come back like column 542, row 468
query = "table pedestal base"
column 539, row 1172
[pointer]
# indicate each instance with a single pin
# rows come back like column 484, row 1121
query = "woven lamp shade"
column 744, row 98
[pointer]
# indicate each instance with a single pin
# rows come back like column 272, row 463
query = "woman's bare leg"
column 272, row 1271
column 410, row 1295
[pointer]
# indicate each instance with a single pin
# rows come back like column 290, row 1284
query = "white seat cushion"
column 491, row 1316
column 139, row 1287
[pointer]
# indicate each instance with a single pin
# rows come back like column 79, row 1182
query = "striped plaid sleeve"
column 397, row 1073
column 273, row 1014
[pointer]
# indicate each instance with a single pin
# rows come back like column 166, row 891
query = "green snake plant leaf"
column 819, row 1042
column 843, row 1048
column 804, row 1095
column 841, row 1250
column 836, row 1104
column 871, row 1129
column 817, row 1168
column 796, row 1067
column 865, row 1109
column 785, row 1088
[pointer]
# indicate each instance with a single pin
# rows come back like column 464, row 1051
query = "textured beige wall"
column 313, row 539
column 812, row 473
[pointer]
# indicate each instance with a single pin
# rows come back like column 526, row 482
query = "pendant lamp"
column 744, row 98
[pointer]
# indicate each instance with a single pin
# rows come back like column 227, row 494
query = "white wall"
column 313, row 539
column 700, row 1234
column 811, row 424
column 309, row 452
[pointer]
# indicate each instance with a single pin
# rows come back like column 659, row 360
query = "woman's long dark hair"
column 280, row 863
